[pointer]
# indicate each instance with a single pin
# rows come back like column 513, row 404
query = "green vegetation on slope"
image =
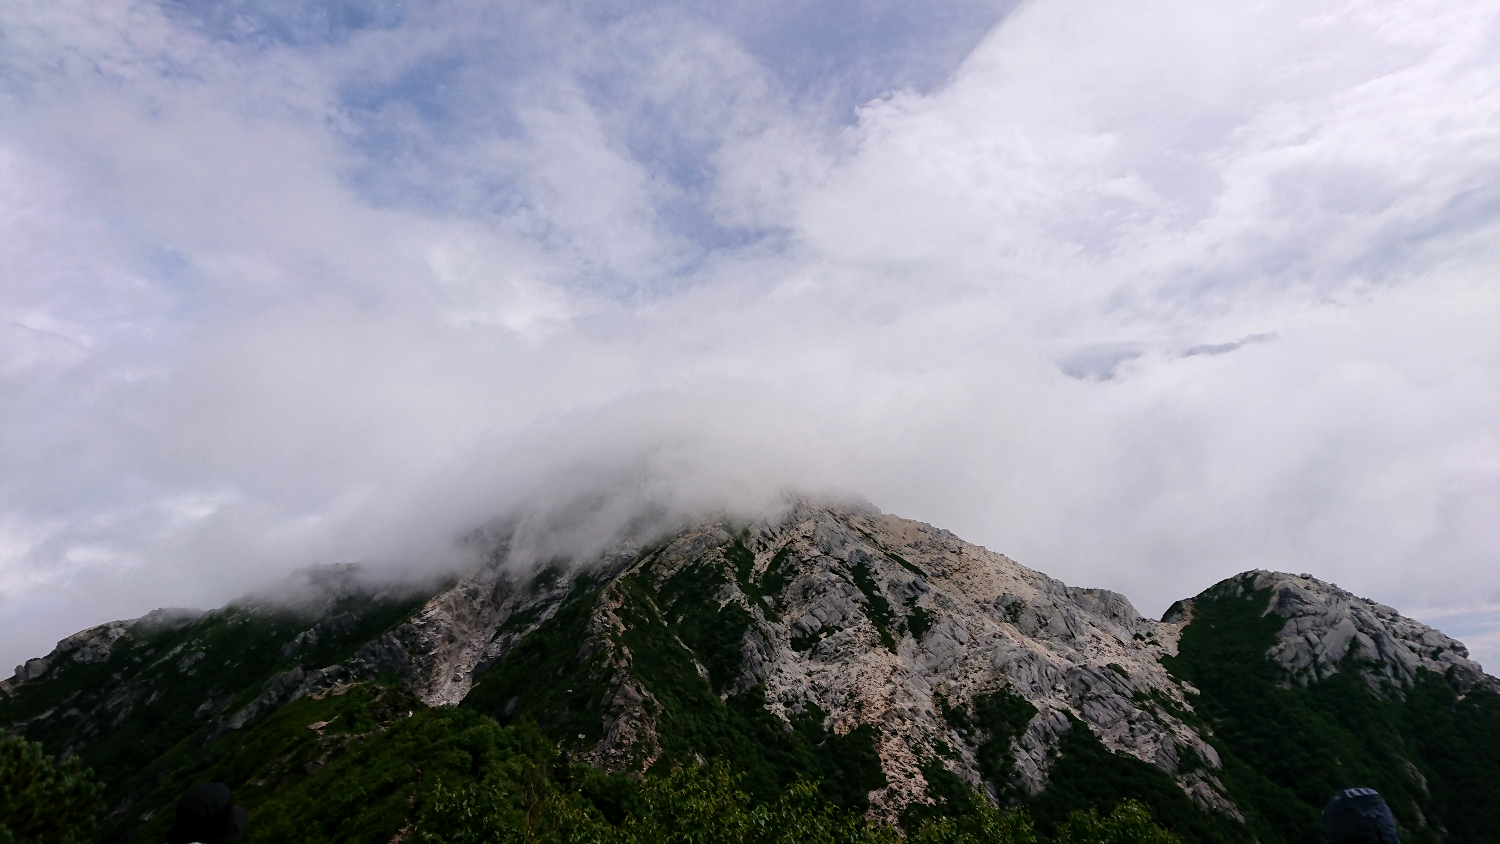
column 1001, row 718
column 686, row 804
column 1459, row 742
column 363, row 763
column 145, row 706
column 355, row 766
column 743, row 561
column 877, row 608
column 918, row 620
column 352, row 767
column 676, row 632
column 548, row 678
column 706, row 805
column 998, row 717
column 43, row 801
column 1129, row 823
column 1086, row 774
column 1288, row 749
column 670, row 633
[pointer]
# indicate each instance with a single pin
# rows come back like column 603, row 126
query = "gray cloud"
column 1226, row 348
column 279, row 290
column 1098, row 362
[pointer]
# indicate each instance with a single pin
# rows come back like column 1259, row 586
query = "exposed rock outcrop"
column 998, row 626
column 94, row 644
column 1326, row 625
column 830, row 629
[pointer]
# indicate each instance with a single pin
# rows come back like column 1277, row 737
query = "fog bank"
column 1141, row 296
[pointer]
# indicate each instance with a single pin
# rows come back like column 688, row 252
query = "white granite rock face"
column 1326, row 624
column 995, row 625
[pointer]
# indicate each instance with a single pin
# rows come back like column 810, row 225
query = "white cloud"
column 280, row 292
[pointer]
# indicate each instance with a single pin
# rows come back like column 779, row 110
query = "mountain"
column 900, row 666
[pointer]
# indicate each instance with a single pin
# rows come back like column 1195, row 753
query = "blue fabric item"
column 1359, row 815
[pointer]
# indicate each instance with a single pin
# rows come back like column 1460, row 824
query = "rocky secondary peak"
column 94, row 644
column 1327, row 627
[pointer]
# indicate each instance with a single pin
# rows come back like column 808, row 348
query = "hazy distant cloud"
column 1226, row 348
column 283, row 284
column 1099, row 362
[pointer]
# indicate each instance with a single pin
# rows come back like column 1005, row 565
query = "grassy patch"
column 742, row 563
column 671, row 630
column 1013, row 611
column 951, row 795
column 802, row 644
column 274, row 756
column 918, row 620
column 773, row 580
column 687, row 604
column 1086, row 775
column 877, row 608
column 522, row 619
column 956, row 716
column 1000, row 717
column 901, row 561
column 549, row 677
column 893, row 556
column 547, row 577
column 741, row 558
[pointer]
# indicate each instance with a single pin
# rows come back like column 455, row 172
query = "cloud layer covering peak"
column 1142, row 295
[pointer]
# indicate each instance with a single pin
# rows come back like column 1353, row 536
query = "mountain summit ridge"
column 886, row 653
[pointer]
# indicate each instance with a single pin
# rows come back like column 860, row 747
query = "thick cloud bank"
column 1142, row 294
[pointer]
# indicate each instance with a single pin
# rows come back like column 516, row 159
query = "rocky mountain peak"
column 96, row 643
column 864, row 618
column 1329, row 629
column 887, row 658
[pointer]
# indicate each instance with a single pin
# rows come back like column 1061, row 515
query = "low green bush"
column 44, row 801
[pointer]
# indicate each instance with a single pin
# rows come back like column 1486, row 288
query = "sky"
column 1141, row 294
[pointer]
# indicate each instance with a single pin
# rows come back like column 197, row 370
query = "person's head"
column 205, row 814
column 1359, row 816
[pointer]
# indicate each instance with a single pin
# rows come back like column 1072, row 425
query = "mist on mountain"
column 284, row 287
